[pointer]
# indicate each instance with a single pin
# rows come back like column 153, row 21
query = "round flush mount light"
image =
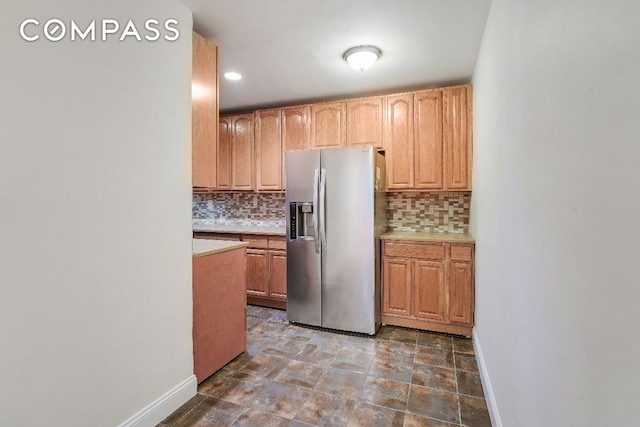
column 232, row 75
column 362, row 57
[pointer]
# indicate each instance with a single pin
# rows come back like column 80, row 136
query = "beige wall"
column 555, row 211
column 95, row 218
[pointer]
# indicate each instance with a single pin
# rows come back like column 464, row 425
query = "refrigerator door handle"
column 323, row 236
column 316, row 177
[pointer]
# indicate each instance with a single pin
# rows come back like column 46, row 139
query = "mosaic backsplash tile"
column 407, row 211
column 220, row 207
column 431, row 212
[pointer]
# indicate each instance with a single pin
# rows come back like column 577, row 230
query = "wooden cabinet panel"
column 397, row 286
column 365, row 121
column 256, row 241
column 278, row 242
column 427, row 107
column 268, row 145
column 242, row 153
column 460, row 284
column 457, row 138
column 428, row 290
column 216, row 236
column 295, row 128
column 398, row 141
column 278, row 275
column 328, row 125
column 224, row 153
column 415, row 250
column 257, row 272
column 433, row 294
column 204, row 112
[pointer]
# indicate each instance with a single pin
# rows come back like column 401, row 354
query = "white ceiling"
column 290, row 51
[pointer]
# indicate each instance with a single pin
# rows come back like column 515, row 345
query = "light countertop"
column 240, row 229
column 428, row 237
column 202, row 247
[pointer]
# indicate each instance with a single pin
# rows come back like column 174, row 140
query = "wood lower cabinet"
column 266, row 271
column 257, row 271
column 428, row 286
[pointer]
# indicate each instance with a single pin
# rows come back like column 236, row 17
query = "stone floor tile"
column 351, row 360
column 470, row 384
column 301, row 374
column 433, row 403
column 474, row 412
column 434, row 357
column 280, row 399
column 435, row 340
column 397, row 370
column 434, row 377
column 211, row 412
column 341, row 383
column 254, row 418
column 182, row 411
column 387, row 393
column 395, row 333
column 324, row 410
column 463, row 345
column 367, row 415
column 413, row 420
column 466, row 362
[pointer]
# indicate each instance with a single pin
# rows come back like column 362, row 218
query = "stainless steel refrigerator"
column 336, row 211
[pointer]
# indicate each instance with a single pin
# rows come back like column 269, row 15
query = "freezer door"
column 348, row 252
column 303, row 258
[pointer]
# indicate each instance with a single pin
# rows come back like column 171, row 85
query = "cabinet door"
column 457, row 139
column 397, row 286
column 268, row 144
column 278, row 274
column 328, row 125
column 460, row 284
column 296, row 132
column 428, row 139
column 295, row 128
column 257, row 272
column 364, row 121
column 224, row 153
column 242, row 153
column 204, row 112
column 398, row 142
column 429, row 290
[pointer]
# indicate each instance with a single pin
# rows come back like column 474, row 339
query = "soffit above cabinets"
column 290, row 51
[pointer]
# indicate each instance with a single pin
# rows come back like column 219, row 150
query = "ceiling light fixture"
column 362, row 57
column 232, row 75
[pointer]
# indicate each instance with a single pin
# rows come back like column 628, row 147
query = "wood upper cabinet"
column 224, row 153
column 457, row 138
column 242, row 152
column 427, row 134
column 398, row 141
column 296, row 128
column 204, row 111
column 427, row 139
column 428, row 285
column 365, row 121
column 328, row 125
column 268, row 148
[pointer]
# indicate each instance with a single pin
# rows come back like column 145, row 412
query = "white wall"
column 555, row 210
column 95, row 217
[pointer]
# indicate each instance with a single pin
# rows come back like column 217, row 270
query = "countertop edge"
column 428, row 237
column 240, row 231
column 230, row 246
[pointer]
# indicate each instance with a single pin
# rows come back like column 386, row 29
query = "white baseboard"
column 486, row 384
column 164, row 405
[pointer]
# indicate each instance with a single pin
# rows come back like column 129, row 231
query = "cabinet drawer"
column 277, row 242
column 414, row 250
column 461, row 253
column 256, row 241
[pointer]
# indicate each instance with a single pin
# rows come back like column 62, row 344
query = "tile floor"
column 292, row 375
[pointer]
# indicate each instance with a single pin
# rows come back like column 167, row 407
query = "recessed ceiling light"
column 232, row 75
column 362, row 57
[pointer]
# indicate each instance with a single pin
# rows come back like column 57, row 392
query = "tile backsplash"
column 407, row 211
column 239, row 206
column 432, row 212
